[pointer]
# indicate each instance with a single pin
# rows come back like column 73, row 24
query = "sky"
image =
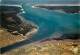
column 39, row 1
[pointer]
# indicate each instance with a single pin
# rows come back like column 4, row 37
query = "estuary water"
column 48, row 22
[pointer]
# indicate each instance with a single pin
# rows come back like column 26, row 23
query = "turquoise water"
column 50, row 22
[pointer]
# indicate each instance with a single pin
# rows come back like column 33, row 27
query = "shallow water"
column 50, row 22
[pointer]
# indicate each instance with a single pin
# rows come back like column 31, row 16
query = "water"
column 48, row 22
